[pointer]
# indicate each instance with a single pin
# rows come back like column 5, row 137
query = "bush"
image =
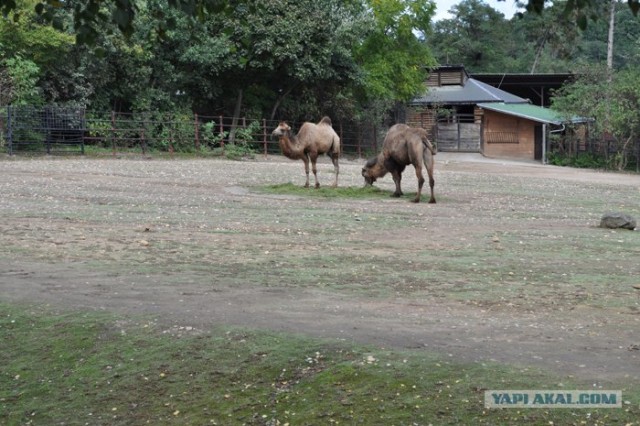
column 585, row 160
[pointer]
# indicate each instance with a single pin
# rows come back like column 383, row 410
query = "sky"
column 507, row 7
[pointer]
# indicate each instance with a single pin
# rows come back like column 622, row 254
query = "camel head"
column 282, row 129
column 373, row 170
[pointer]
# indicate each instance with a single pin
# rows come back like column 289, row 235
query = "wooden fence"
column 54, row 130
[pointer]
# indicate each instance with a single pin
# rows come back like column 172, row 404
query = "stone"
column 617, row 220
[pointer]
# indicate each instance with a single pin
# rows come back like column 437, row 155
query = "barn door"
column 537, row 150
column 458, row 134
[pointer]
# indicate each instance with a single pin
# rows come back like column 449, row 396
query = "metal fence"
column 54, row 130
column 47, row 129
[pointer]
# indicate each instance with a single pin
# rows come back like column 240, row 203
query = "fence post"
column 222, row 132
column 84, row 129
column 264, row 135
column 171, row 136
column 197, row 132
column 637, row 155
column 113, row 132
column 9, row 130
column 143, row 143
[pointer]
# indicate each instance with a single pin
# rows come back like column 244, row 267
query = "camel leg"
column 418, row 168
column 305, row 160
column 397, row 178
column 336, row 168
column 314, row 169
column 429, row 163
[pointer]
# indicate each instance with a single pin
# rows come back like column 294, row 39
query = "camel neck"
column 289, row 145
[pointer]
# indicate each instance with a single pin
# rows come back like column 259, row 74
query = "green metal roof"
column 532, row 112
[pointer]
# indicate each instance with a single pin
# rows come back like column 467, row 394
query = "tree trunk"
column 612, row 22
column 539, row 51
column 236, row 115
column 279, row 101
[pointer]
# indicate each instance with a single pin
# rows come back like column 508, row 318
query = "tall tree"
column 617, row 117
column 549, row 39
column 89, row 16
column 29, row 51
column 392, row 56
column 477, row 36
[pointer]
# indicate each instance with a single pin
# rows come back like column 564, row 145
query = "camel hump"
column 325, row 120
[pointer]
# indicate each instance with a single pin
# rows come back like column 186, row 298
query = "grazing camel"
column 402, row 146
column 311, row 141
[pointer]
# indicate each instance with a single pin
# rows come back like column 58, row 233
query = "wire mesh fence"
column 55, row 130
column 51, row 130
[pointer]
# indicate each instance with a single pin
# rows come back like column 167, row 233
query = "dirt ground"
column 198, row 243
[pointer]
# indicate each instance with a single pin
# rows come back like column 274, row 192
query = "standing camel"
column 311, row 141
column 402, row 146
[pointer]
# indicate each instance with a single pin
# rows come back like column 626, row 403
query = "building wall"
column 505, row 136
column 421, row 117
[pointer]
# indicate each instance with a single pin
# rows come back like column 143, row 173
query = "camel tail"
column 335, row 145
column 429, row 146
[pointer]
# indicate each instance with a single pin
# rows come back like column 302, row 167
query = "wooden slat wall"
column 447, row 137
column 421, row 117
column 464, row 137
column 469, row 137
column 446, row 78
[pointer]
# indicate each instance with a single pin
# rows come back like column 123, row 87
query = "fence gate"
column 50, row 129
column 459, row 134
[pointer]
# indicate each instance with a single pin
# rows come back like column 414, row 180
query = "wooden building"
column 466, row 115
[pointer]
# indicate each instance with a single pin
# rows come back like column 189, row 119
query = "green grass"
column 328, row 192
column 93, row 368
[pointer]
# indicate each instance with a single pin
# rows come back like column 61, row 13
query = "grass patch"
column 79, row 368
column 328, row 192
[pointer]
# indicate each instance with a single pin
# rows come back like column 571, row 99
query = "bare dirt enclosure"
column 509, row 266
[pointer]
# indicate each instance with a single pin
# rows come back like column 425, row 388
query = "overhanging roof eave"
column 528, row 116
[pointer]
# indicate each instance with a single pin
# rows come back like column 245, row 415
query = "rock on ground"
column 617, row 220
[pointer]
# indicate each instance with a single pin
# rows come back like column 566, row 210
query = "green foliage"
column 393, row 59
column 30, row 55
column 212, row 136
column 585, row 160
column 22, row 79
column 25, row 35
column 478, row 37
column 244, row 145
column 613, row 105
column 238, row 151
column 248, row 134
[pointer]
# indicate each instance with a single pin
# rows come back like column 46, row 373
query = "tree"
column 618, row 118
column 548, row 39
column 477, row 36
column 626, row 32
column 29, row 50
column 90, row 16
column 394, row 60
column 580, row 11
column 18, row 80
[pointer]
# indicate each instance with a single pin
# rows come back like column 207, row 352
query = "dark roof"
column 536, row 87
column 472, row 92
column 518, row 79
column 532, row 112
